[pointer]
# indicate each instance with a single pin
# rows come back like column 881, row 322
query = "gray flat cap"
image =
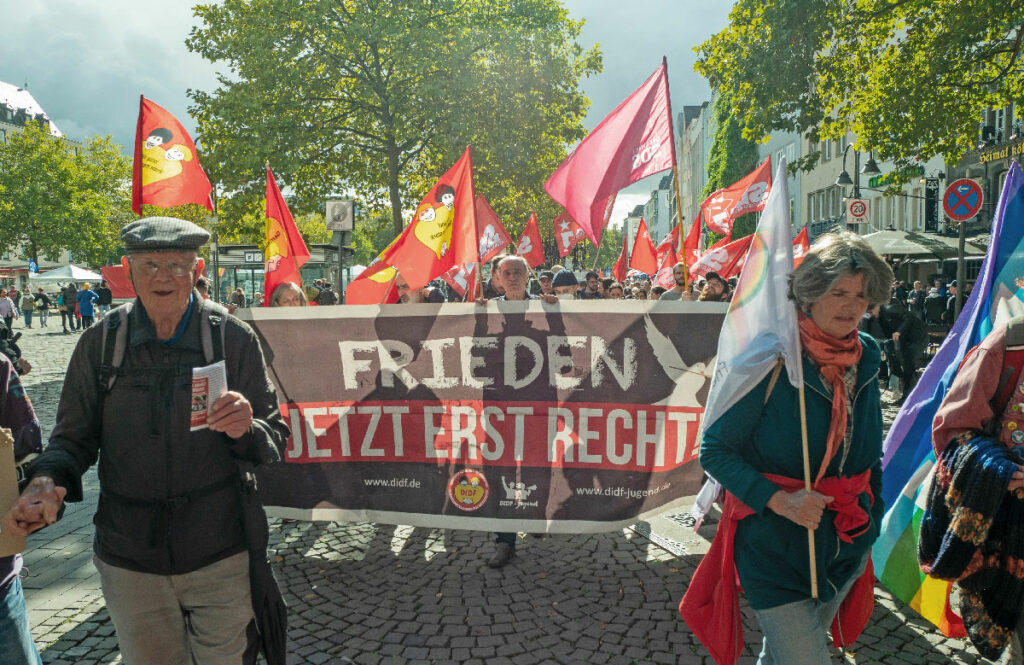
column 163, row 234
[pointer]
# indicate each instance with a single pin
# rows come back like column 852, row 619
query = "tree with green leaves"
column 909, row 78
column 378, row 97
column 731, row 158
column 57, row 196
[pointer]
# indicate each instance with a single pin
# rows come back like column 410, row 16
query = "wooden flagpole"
column 682, row 231
column 807, row 486
column 391, row 284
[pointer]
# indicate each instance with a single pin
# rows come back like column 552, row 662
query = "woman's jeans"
column 67, row 320
column 794, row 633
column 16, row 646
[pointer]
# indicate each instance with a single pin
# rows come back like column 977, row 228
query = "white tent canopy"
column 66, row 274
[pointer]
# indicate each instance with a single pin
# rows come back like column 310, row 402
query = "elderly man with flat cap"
column 169, row 543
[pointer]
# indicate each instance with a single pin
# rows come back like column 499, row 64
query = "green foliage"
column 909, row 78
column 57, row 196
column 378, row 98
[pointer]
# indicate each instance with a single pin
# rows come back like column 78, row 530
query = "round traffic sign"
column 962, row 199
column 858, row 208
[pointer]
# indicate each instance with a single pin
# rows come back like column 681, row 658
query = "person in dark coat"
column 170, row 542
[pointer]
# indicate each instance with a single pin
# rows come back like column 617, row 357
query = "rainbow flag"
column 907, row 456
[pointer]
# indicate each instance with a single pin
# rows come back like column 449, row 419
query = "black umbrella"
column 267, row 603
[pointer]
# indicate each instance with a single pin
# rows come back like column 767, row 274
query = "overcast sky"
column 86, row 62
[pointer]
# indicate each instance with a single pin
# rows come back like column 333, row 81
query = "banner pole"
column 387, row 291
column 597, row 256
column 682, row 231
column 807, row 486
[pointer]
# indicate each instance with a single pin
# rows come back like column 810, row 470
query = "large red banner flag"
column 749, row 194
column 443, row 231
column 529, row 246
column 493, row 236
column 622, row 265
column 643, row 257
column 634, row 141
column 285, row 251
column 668, row 247
column 166, row 171
column 567, row 234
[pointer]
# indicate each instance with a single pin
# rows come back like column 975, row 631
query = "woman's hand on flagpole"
column 803, row 507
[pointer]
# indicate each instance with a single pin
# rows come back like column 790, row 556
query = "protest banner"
column 514, row 416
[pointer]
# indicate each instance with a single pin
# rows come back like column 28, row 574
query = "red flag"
column 529, row 246
column 726, row 260
column 462, row 278
column 285, row 251
column 118, row 281
column 567, row 234
column 801, row 243
column 631, row 143
column 667, row 246
column 643, row 258
column 622, row 265
column 493, row 238
column 749, row 194
column 373, row 286
column 666, row 272
column 166, row 171
column 691, row 245
column 442, row 233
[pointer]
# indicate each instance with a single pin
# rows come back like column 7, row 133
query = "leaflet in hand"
column 208, row 385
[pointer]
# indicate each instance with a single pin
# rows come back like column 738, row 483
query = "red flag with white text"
column 443, row 231
column 801, row 243
column 726, row 260
column 493, row 236
column 634, row 141
column 665, row 276
column 166, row 170
column 643, row 257
column 567, row 234
column 529, row 246
column 462, row 278
column 285, row 251
column 749, row 194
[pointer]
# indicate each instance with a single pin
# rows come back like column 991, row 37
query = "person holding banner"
column 754, row 449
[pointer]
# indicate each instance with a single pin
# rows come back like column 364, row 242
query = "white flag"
column 761, row 323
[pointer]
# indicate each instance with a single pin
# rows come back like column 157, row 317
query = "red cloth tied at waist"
column 711, row 605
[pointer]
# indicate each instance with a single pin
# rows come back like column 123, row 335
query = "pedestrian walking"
column 755, row 451
column 28, row 306
column 67, row 318
column 86, row 298
column 43, row 305
column 8, row 311
column 174, row 534
column 70, row 293
column 15, row 295
column 106, row 297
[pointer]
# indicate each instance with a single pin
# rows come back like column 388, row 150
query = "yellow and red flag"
column 166, row 171
column 443, row 231
column 285, row 251
column 529, row 246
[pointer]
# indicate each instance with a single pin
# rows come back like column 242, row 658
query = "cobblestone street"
column 378, row 593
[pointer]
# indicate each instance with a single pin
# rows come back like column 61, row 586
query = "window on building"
column 822, row 205
column 827, row 152
column 893, row 215
column 791, row 153
column 1000, row 123
column 792, row 212
column 917, row 202
column 810, row 209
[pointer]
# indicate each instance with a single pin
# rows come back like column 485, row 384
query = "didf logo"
column 468, row 489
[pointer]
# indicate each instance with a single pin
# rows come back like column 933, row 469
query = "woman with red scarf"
column 754, row 450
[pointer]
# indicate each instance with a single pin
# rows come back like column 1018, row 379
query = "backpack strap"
column 115, row 342
column 211, row 331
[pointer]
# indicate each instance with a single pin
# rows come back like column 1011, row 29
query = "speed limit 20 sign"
column 857, row 211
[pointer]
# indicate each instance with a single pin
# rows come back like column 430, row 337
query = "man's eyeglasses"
column 175, row 268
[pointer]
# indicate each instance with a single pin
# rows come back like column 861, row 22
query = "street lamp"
column 870, row 169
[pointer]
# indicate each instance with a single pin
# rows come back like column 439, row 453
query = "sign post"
column 961, row 202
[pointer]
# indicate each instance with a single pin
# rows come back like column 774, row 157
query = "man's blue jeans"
column 794, row 633
column 16, row 643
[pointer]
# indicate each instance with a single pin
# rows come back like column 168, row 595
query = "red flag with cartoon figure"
column 567, row 234
column 285, row 251
column 443, row 231
column 529, row 246
column 373, row 286
column 494, row 237
column 643, row 258
column 166, row 171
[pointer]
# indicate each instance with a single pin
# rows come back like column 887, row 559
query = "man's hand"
column 25, row 366
column 803, row 507
column 895, row 337
column 1017, row 479
column 231, row 414
column 37, row 507
column 549, row 298
column 481, row 301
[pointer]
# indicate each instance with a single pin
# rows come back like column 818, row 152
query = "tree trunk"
column 396, row 198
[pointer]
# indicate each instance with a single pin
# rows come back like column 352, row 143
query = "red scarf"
column 833, row 356
column 711, row 605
